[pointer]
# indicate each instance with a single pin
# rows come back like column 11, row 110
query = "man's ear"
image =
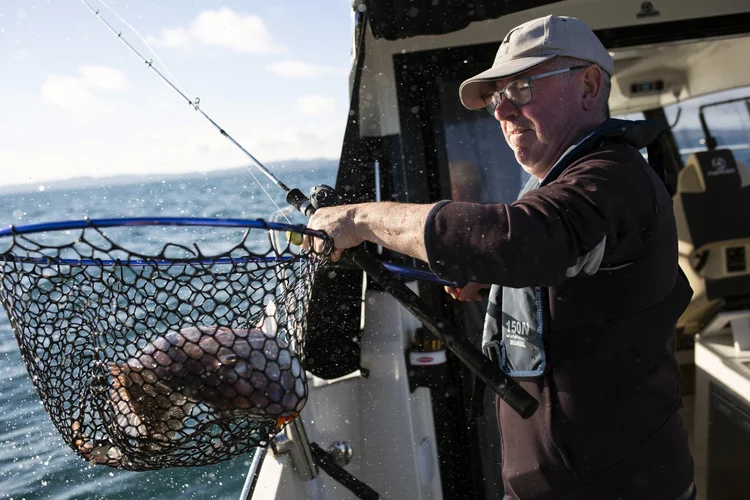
column 591, row 87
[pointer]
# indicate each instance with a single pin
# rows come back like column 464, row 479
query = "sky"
column 77, row 102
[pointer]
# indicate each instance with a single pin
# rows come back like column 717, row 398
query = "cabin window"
column 481, row 165
column 727, row 115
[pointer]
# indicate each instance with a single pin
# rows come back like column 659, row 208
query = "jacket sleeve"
column 534, row 241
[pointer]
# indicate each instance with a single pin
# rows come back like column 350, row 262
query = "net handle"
column 505, row 387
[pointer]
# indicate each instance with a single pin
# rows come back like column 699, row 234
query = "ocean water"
column 34, row 461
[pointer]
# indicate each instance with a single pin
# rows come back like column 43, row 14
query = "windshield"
column 728, row 123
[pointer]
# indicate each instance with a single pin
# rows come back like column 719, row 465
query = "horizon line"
column 123, row 178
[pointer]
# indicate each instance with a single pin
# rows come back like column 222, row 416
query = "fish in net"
column 174, row 357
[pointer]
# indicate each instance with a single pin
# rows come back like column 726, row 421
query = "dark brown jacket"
column 608, row 425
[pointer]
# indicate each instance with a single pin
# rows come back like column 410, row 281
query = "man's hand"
column 470, row 291
column 338, row 223
column 395, row 226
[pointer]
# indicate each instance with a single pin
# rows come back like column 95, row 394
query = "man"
column 587, row 288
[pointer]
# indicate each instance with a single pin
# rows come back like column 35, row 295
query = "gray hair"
column 606, row 89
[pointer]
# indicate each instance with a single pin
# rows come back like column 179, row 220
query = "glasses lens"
column 492, row 101
column 518, row 92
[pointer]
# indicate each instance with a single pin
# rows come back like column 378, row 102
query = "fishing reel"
column 320, row 197
column 324, row 196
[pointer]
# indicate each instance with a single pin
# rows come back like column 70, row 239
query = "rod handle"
column 505, row 387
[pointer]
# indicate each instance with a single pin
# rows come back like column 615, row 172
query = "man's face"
column 540, row 130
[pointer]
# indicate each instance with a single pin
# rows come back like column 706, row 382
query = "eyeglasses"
column 518, row 92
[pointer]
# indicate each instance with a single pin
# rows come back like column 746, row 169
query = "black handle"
column 325, row 462
column 508, row 389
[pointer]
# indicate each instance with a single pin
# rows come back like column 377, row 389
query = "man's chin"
column 523, row 158
column 528, row 164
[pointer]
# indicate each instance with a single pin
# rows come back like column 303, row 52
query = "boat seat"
column 712, row 209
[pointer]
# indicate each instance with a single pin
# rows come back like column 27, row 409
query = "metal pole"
column 377, row 194
column 253, row 473
column 711, row 142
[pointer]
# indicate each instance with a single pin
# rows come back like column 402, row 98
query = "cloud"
column 177, row 149
column 67, row 92
column 294, row 142
column 171, row 37
column 315, row 105
column 79, row 93
column 102, row 77
column 223, row 28
column 301, row 69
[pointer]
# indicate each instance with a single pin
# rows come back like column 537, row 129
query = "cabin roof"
column 396, row 19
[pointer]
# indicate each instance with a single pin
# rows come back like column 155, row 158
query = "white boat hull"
column 389, row 429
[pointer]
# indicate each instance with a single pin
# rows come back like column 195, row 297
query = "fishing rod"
column 487, row 371
column 294, row 196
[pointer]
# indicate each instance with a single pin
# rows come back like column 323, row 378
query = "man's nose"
column 506, row 110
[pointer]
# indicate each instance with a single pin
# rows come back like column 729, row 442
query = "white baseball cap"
column 533, row 43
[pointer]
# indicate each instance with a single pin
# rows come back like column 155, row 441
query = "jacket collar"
column 638, row 133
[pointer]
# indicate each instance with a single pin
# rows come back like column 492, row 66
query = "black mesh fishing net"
column 181, row 355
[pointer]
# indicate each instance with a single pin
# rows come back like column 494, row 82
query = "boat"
column 397, row 413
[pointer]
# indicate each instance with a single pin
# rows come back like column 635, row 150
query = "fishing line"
column 195, row 103
column 123, row 21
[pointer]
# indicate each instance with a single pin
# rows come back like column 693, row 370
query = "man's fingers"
column 472, row 291
column 336, row 254
column 469, row 296
column 307, row 241
column 311, row 243
column 318, row 246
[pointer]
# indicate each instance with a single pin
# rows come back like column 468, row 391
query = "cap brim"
column 472, row 89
